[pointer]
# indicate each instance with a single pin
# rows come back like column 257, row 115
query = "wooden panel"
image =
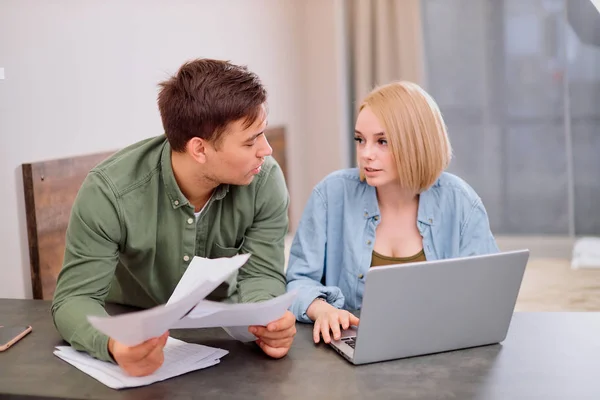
column 276, row 138
column 50, row 189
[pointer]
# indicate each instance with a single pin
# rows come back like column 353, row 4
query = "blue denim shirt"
column 332, row 248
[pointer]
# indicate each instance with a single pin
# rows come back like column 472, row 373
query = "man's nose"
column 265, row 148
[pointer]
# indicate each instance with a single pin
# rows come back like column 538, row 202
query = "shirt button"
column 190, row 220
column 366, row 214
column 176, row 202
column 186, row 258
column 430, row 221
column 360, row 276
column 368, row 242
column 377, row 218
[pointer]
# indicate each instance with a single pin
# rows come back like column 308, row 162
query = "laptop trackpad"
column 350, row 332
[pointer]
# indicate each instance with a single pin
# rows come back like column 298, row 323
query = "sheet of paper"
column 180, row 358
column 134, row 328
column 240, row 333
column 208, row 314
column 209, row 273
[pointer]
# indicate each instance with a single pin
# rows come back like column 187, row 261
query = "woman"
column 398, row 206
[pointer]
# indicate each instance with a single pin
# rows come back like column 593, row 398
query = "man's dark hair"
column 204, row 97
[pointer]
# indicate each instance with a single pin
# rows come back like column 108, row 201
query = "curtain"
column 518, row 82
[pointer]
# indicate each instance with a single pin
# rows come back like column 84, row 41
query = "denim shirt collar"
column 428, row 207
column 426, row 213
column 371, row 207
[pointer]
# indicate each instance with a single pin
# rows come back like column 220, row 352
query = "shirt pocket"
column 219, row 250
column 227, row 288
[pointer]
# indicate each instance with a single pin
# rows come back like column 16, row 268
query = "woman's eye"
column 358, row 140
column 383, row 142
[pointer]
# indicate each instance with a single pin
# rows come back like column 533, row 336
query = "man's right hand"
column 327, row 318
column 140, row 360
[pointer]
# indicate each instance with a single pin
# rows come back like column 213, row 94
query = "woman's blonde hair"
column 415, row 132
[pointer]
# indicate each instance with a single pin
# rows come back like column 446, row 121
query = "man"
column 207, row 187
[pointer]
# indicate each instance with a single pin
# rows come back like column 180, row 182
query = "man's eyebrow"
column 250, row 139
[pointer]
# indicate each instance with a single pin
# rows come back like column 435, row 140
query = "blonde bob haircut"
column 415, row 132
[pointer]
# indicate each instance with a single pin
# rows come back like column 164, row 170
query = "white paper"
column 203, row 270
column 180, row 358
column 134, row 328
column 200, row 279
column 240, row 333
column 209, row 314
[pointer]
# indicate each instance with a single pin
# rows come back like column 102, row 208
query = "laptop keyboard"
column 350, row 341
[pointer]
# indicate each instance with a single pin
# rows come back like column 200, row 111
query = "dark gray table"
column 545, row 356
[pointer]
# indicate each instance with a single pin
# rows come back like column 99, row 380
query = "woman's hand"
column 328, row 318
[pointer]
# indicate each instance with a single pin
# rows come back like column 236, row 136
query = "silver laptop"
column 434, row 306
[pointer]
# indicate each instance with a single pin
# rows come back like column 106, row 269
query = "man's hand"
column 140, row 360
column 276, row 338
column 327, row 318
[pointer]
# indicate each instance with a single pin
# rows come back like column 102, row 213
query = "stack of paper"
column 180, row 358
column 186, row 308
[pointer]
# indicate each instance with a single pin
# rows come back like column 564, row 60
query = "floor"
column 550, row 284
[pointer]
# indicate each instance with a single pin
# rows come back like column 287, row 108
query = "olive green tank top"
column 378, row 260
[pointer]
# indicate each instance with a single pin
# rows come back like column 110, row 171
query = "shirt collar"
column 371, row 207
column 176, row 197
column 425, row 214
column 428, row 205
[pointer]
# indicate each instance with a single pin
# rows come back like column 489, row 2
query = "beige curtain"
column 386, row 43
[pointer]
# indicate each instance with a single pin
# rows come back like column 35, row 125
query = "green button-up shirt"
column 132, row 234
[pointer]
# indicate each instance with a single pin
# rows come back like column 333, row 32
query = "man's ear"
column 197, row 148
